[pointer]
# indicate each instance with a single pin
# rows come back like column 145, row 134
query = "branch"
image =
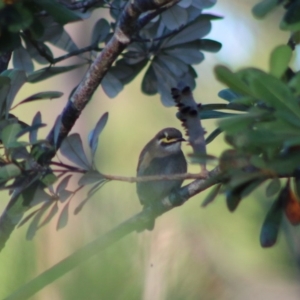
column 155, row 177
column 111, row 237
column 126, row 28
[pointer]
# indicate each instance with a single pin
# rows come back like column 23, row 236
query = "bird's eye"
column 167, row 140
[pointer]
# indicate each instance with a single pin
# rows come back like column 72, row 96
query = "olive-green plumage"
column 162, row 155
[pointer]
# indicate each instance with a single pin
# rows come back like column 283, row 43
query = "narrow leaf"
column 94, row 134
column 211, row 195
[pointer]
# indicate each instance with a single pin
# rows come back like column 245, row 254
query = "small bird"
column 162, row 155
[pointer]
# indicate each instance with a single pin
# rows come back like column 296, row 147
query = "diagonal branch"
column 126, row 28
column 111, row 237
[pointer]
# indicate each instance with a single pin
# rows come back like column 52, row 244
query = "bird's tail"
column 149, row 225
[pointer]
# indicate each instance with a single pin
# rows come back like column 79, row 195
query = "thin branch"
column 154, row 178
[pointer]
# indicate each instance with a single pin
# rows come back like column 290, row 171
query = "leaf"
column 174, row 17
column 100, row 31
column 149, row 83
column 291, row 19
column 211, row 195
column 189, row 55
column 111, row 85
column 273, row 187
column 18, row 78
column 193, row 31
column 37, row 119
column 261, row 9
column 279, row 61
column 91, row 177
column 63, row 217
column 232, row 80
column 49, row 72
column 228, row 94
column 271, row 225
column 213, row 135
column 56, row 35
column 213, row 114
column 30, row 129
column 9, row 134
column 209, row 45
column 72, row 149
column 275, row 93
column 4, row 90
column 94, row 134
column 59, row 12
column 40, row 96
column 8, row 172
column 22, row 60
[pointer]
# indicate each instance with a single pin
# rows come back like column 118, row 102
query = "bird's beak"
column 181, row 140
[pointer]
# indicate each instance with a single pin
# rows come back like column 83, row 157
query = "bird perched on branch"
column 162, row 155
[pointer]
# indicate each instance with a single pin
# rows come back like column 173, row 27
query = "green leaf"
column 37, row 119
column 57, row 127
column 100, row 31
column 212, row 195
column 49, row 179
column 18, row 78
column 213, row 114
column 20, row 18
column 291, row 19
column 22, row 60
column 232, row 80
column 194, row 30
column 228, row 95
column 174, row 17
column 273, row 187
column 56, row 35
column 275, row 93
column 59, row 12
column 279, row 61
column 294, row 84
column 213, row 135
column 72, row 149
column 111, row 85
column 94, row 134
column 149, row 83
column 271, row 225
column 49, row 72
column 9, row 134
column 261, row 9
column 8, row 172
column 4, row 90
column 41, row 96
column 209, row 45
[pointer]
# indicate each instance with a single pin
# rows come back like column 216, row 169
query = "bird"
column 162, row 155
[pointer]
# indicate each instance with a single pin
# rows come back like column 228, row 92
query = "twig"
column 155, row 178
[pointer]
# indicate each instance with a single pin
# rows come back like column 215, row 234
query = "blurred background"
column 193, row 253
